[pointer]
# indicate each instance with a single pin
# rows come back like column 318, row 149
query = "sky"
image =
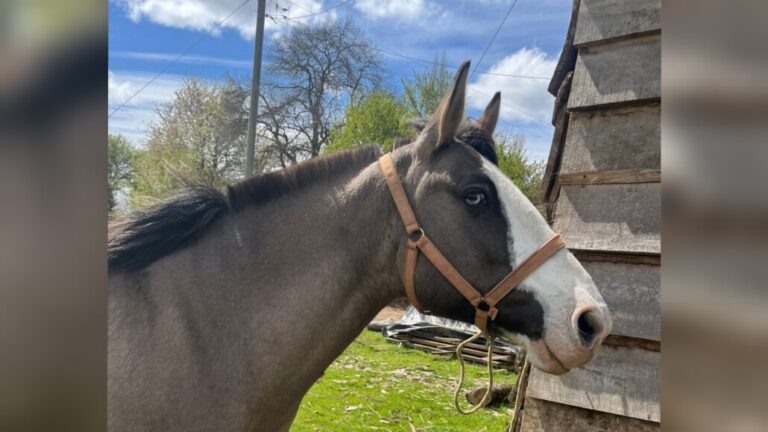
column 145, row 36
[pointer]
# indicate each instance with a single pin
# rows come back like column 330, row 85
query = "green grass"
column 378, row 385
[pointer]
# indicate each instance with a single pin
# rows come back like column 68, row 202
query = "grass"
column 378, row 385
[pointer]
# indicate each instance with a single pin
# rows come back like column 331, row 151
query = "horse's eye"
column 474, row 198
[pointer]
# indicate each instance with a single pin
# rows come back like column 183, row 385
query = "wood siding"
column 620, row 380
column 540, row 415
column 613, row 139
column 616, row 218
column 633, row 294
column 604, row 20
column 618, row 73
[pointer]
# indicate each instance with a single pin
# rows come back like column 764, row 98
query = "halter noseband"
column 484, row 304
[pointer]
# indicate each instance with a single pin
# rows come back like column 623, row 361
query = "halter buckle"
column 482, row 306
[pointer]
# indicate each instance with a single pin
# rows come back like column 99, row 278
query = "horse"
column 225, row 307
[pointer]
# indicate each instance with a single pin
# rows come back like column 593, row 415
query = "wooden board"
column 560, row 121
column 611, row 177
column 543, row 416
column 615, row 218
column 567, row 60
column 619, row 73
column 613, row 139
column 619, row 380
column 633, row 294
column 601, row 20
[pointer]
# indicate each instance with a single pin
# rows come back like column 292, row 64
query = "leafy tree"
column 119, row 167
column 200, row 139
column 378, row 118
column 513, row 161
column 314, row 71
column 424, row 90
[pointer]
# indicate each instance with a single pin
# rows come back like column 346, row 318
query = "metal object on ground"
column 442, row 336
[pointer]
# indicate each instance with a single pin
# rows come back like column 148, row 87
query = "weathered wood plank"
column 615, row 218
column 560, row 121
column 630, row 342
column 633, row 294
column 601, row 20
column 623, row 72
column 567, row 60
column 613, row 139
column 611, row 177
column 628, row 258
column 619, row 380
column 544, row 416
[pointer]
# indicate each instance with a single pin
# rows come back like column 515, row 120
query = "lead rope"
column 488, row 391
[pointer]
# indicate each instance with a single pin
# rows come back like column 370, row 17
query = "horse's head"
column 486, row 227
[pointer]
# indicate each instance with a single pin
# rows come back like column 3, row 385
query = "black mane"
column 479, row 140
column 153, row 232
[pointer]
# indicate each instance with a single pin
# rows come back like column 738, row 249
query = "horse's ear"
column 490, row 117
column 445, row 122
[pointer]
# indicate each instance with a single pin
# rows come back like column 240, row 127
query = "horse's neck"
column 306, row 272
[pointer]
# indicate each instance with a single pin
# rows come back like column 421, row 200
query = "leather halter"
column 484, row 304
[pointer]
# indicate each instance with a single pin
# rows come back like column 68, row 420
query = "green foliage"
column 424, row 90
column 378, row 118
column 377, row 385
column 526, row 174
column 119, row 167
column 199, row 139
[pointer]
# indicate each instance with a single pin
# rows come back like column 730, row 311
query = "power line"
column 322, row 11
column 179, row 57
column 487, row 47
column 534, row 119
column 429, row 62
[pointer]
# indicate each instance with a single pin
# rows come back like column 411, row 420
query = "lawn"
column 378, row 385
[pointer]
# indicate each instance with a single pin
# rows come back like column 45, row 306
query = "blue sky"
column 146, row 35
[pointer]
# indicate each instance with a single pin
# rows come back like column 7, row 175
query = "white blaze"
column 561, row 283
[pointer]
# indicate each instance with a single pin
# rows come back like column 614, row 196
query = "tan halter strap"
column 485, row 305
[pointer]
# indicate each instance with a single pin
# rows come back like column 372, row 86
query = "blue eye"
column 474, row 198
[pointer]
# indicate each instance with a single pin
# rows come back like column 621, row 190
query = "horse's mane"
column 153, row 232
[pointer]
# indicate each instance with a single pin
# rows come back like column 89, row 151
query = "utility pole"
column 256, row 81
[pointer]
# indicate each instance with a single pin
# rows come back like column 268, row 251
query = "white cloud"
column 406, row 10
column 187, row 59
column 205, row 15
column 133, row 119
column 522, row 99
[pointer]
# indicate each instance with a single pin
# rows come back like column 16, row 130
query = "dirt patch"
column 393, row 311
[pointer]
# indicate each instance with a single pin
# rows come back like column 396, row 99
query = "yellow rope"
column 488, row 391
column 522, row 378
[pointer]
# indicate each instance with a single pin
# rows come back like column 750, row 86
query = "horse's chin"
column 539, row 353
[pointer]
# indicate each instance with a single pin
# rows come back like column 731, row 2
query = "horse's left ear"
column 445, row 122
column 490, row 117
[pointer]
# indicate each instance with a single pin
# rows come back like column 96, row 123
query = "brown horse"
column 224, row 309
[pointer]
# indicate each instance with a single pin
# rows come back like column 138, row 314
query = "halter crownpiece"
column 484, row 304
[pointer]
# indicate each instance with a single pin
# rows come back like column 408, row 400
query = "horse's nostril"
column 588, row 325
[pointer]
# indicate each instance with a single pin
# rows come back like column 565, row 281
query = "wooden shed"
column 603, row 194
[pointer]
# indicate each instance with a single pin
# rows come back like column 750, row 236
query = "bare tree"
column 314, row 71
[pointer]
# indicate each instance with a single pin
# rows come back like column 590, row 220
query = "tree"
column 199, row 139
column 379, row 118
column 314, row 70
column 526, row 174
column 424, row 90
column 119, row 167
